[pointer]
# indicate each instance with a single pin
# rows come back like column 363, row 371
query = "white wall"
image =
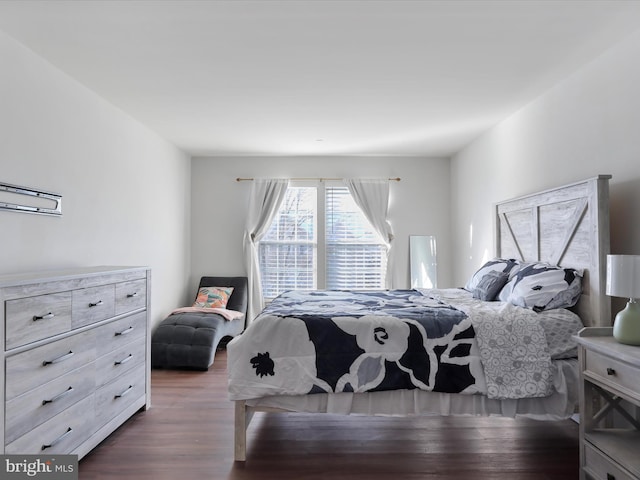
column 587, row 125
column 418, row 205
column 125, row 190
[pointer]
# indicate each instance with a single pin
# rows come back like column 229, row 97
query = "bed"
column 485, row 349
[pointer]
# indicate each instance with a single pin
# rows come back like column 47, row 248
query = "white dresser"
column 76, row 356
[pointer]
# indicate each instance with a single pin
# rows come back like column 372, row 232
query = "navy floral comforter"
column 340, row 341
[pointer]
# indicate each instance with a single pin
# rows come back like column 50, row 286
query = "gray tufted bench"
column 189, row 340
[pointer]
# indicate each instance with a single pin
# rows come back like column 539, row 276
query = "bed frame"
column 566, row 226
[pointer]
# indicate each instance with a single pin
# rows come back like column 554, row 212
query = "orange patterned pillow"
column 213, row 297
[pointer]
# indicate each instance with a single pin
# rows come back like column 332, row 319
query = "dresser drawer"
column 91, row 305
column 119, row 361
column 131, row 296
column 35, row 318
column 598, row 466
column 114, row 397
column 29, row 410
column 115, row 334
column 43, row 364
column 617, row 374
column 60, row 434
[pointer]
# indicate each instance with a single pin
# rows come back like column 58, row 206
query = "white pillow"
column 541, row 286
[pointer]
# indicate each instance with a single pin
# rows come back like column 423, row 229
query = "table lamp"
column 623, row 280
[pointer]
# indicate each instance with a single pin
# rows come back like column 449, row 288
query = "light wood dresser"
column 609, row 407
column 76, row 356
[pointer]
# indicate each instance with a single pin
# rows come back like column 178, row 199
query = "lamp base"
column 626, row 328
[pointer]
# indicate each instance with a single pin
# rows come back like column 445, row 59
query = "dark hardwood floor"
column 188, row 434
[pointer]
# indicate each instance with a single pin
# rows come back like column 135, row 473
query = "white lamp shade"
column 623, row 276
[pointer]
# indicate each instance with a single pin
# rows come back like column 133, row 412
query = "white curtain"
column 266, row 197
column 372, row 196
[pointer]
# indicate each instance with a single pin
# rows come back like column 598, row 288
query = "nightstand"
column 609, row 407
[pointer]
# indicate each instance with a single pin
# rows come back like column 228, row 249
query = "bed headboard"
column 567, row 226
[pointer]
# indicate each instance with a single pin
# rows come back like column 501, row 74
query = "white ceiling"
column 319, row 77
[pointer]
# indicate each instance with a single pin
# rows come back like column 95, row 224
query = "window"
column 355, row 256
column 320, row 239
column 288, row 251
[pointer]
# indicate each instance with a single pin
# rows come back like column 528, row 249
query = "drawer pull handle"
column 58, row 397
column 43, row 317
column 125, row 331
column 59, row 359
column 611, row 371
column 131, row 295
column 58, row 440
column 120, row 362
column 120, row 395
column 96, row 304
column 611, row 477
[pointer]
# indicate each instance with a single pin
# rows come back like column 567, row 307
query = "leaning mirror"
column 423, row 261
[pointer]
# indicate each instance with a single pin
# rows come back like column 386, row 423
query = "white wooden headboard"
column 567, row 226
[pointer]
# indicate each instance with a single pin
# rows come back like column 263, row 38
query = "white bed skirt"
column 559, row 405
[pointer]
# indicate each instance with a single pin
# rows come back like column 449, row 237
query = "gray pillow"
column 497, row 264
column 490, row 285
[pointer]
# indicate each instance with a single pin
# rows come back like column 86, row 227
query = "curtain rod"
column 321, row 179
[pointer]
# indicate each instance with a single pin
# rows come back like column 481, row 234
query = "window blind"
column 355, row 254
column 288, row 250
